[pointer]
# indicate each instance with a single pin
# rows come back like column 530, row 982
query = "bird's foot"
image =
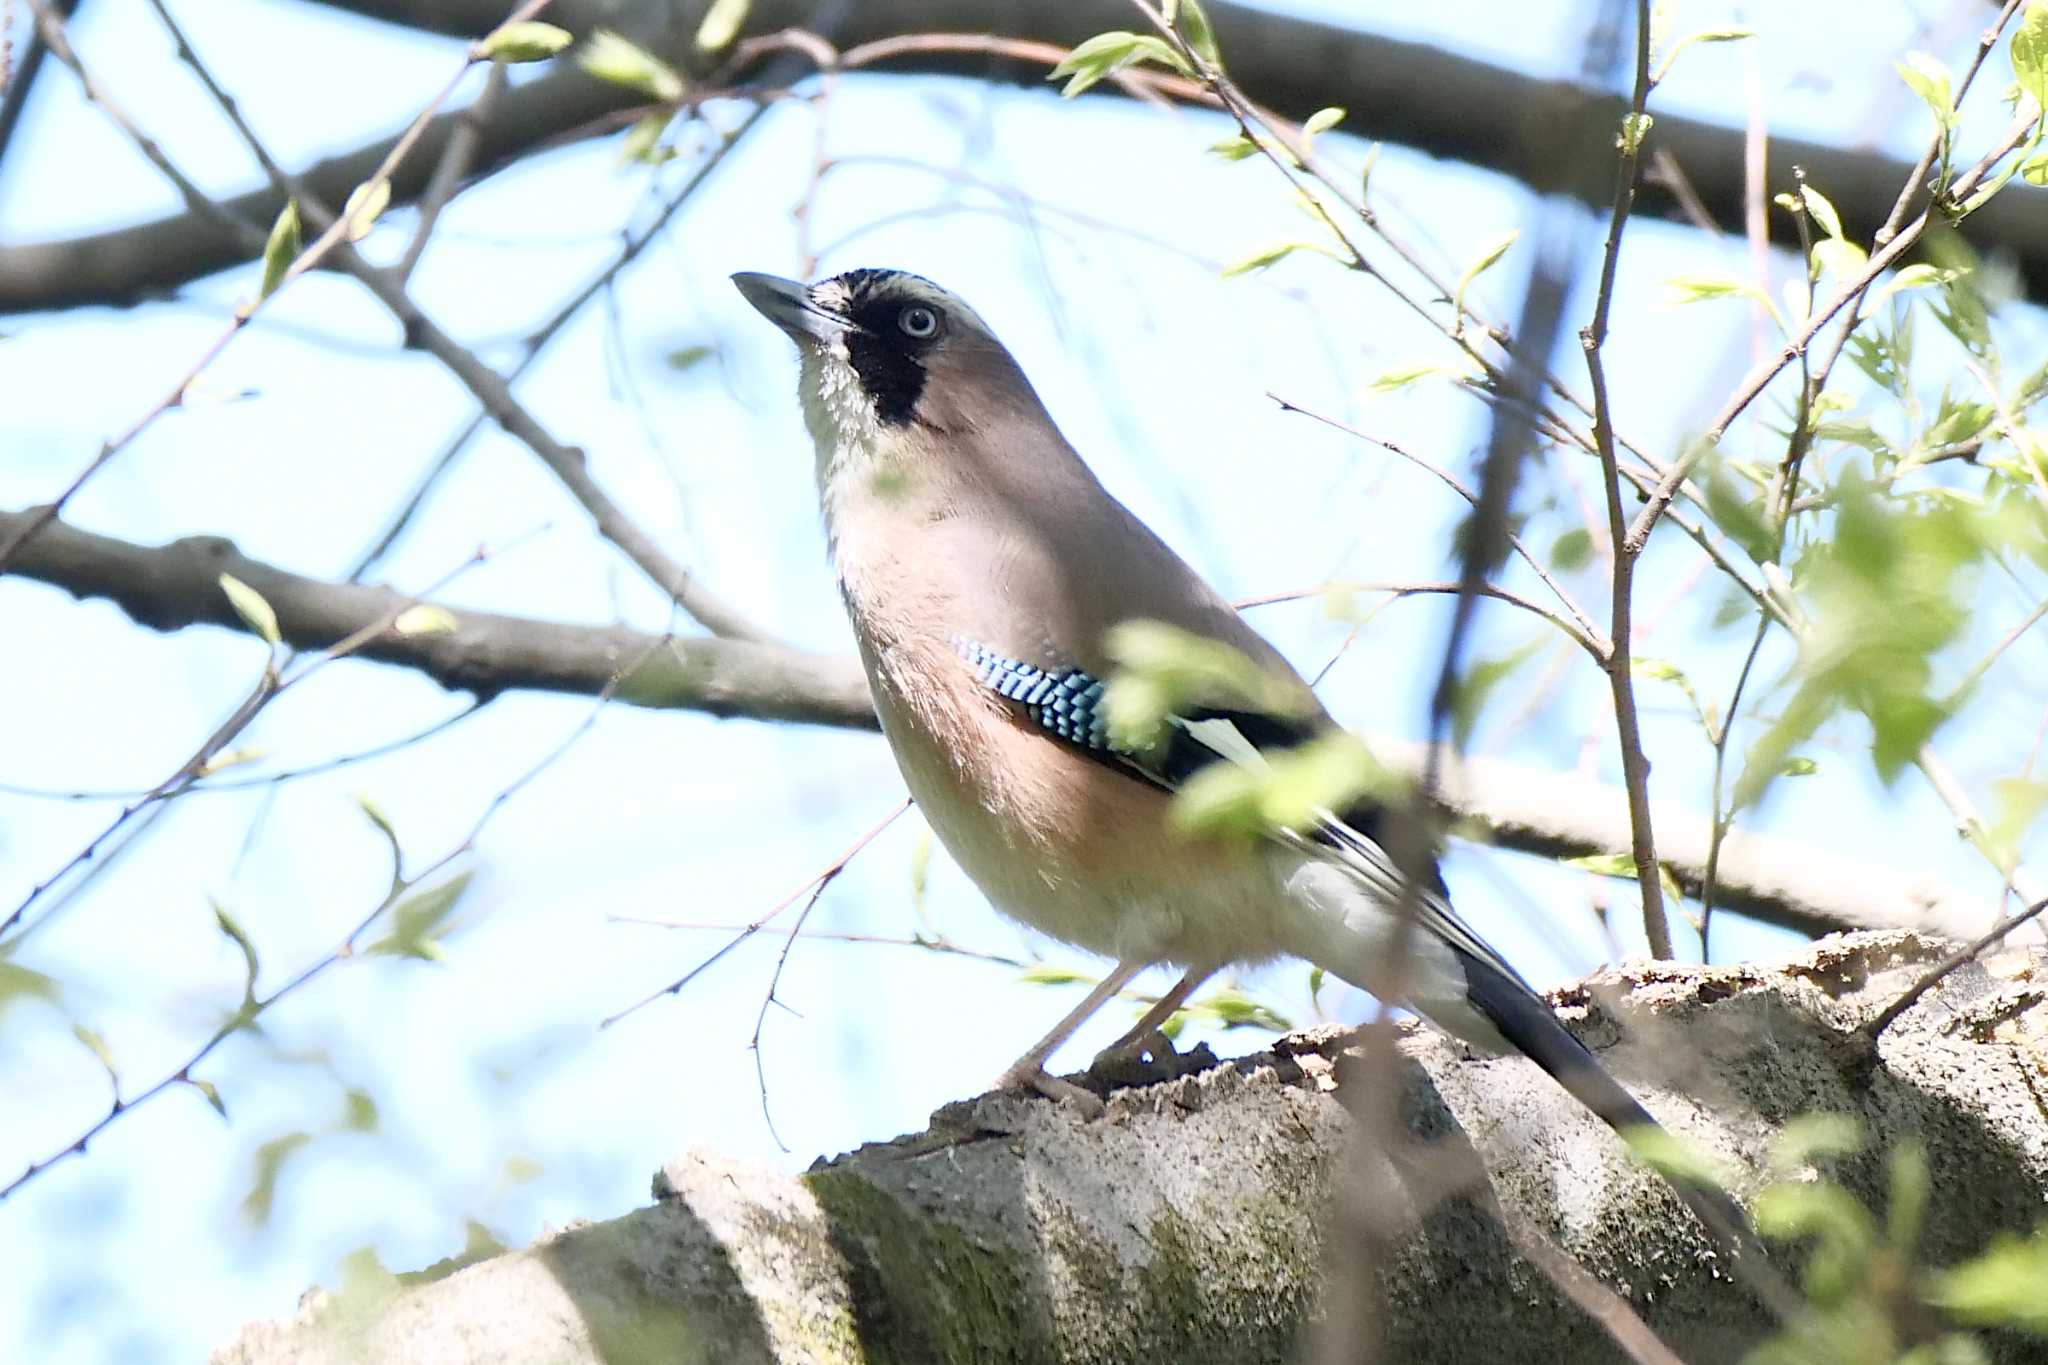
column 1029, row 1075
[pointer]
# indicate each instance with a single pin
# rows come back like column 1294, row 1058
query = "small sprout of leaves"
column 721, row 25
column 1192, row 22
column 1235, row 148
column 209, row 1092
column 366, row 204
column 2030, row 52
column 98, row 1047
column 281, row 250
column 250, row 606
column 359, row 1111
column 1823, row 211
column 1572, row 550
column 1268, row 256
column 1372, row 159
column 689, row 357
column 270, row 1162
column 1799, row 765
column 1322, row 120
column 425, row 618
column 1108, row 53
column 240, row 938
column 1634, row 128
column 417, row 922
column 1919, row 275
column 1671, row 1155
column 1486, row 261
column 1810, row 1136
column 1929, row 78
column 1605, row 864
column 612, row 58
column 377, row 817
column 231, row 758
column 1229, row 1008
column 2000, row 1287
column 2034, row 170
column 1164, row 671
column 1401, row 376
column 527, row 40
column 642, row 144
column 1052, row 974
column 1705, row 35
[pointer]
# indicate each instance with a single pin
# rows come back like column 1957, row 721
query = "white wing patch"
column 1222, row 738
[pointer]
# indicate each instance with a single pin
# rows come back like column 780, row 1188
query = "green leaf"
column 1372, row 159
column 240, row 937
column 359, row 1111
column 209, row 1092
column 1842, row 259
column 1468, row 697
column 1673, row 1156
column 1291, row 789
column 2030, row 52
column 271, row 1158
column 612, row 58
column 1164, row 671
column 250, row 606
column 1267, row 256
column 1930, row 80
column 1806, row 1137
column 2000, row 1288
column 642, row 144
column 1230, row 1008
column 2016, row 803
column 1322, row 120
column 1604, row 864
column 1486, row 261
column 1572, row 550
column 2034, row 170
column 1235, row 148
column 98, row 1047
column 1705, row 35
column 1822, row 211
column 1906, row 1208
column 366, row 204
column 24, row 983
column 281, row 250
column 1402, row 376
column 1634, row 128
column 721, row 25
column 1052, row 974
column 1799, row 765
column 1919, row 275
column 1700, row 288
column 1195, row 29
column 525, row 41
column 1108, row 53
column 416, row 922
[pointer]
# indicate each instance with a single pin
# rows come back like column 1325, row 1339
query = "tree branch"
column 1013, row 1229
column 173, row 586
column 1438, row 102
column 170, row 587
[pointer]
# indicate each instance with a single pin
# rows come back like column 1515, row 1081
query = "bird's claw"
column 1032, row 1077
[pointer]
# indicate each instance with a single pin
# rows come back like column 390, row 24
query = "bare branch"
column 173, row 586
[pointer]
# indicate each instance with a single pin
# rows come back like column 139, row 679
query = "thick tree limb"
column 1189, row 1225
column 1409, row 93
column 172, row 586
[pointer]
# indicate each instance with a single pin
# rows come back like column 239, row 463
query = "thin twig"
column 822, row 875
column 1871, row 1031
column 51, row 26
column 1635, row 766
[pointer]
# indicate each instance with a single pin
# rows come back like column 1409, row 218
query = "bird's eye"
column 918, row 321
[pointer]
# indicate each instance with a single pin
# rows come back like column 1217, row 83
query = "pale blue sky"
column 310, row 429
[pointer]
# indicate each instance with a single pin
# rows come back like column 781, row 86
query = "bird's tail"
column 1491, row 993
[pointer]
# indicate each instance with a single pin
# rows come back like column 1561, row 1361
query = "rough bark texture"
column 1189, row 1224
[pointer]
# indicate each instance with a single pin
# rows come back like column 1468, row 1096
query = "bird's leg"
column 1145, row 1035
column 1028, row 1072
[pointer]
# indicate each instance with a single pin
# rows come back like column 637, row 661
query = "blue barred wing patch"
column 1066, row 701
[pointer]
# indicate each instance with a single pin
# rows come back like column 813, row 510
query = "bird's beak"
column 790, row 306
